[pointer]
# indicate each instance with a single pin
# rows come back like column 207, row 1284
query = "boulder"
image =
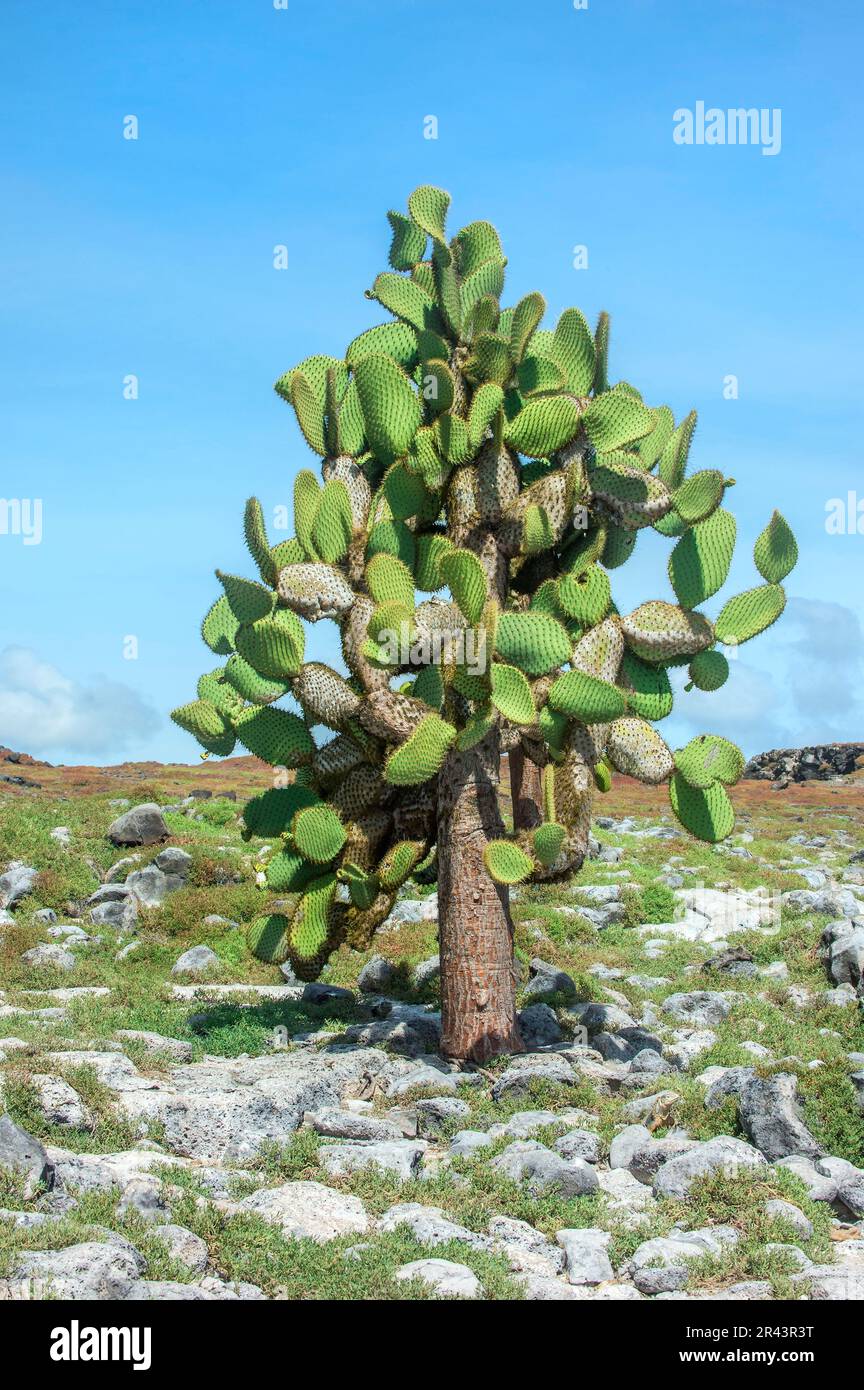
column 143, row 825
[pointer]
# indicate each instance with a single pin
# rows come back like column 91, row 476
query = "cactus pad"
column 420, row 757
column 535, row 642
column 776, row 550
column 707, row 813
column 506, row 862
column 511, row 694
column 586, row 698
column 748, row 614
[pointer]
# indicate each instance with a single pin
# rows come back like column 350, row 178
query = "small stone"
column 20, row 1151
column 585, row 1255
column 377, row 976
column 47, row 956
column 16, row 883
column 143, row 825
column 198, row 960
column 446, row 1278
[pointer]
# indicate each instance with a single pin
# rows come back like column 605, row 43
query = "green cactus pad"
column 698, row 495
column 616, row 418
column 257, row 544
column 408, row 246
column 573, row 349
column 307, row 494
column 465, row 577
column 548, row 840
column 247, row 599
column 511, row 694
column 673, row 459
column 585, row 594
column 708, row 814
column 270, row 813
column 476, row 727
column 362, row 886
column 390, row 406
column 267, row 937
column 333, row 526
column 318, row 833
column 427, row 207
column 404, row 492
column 553, row 727
column 748, row 614
column 506, row 862
column 776, row 550
column 288, row 872
column 539, row 376
column 618, row 546
column 538, row 532
column 205, row 722
column 273, row 646
column 709, row 758
column 246, row 681
column 602, row 776
column 312, row 933
column 219, row 628
column 389, row 581
column 395, row 339
column 699, row 563
column 485, row 405
column 476, row 243
column 586, row 698
column 407, row 300
column 213, row 686
column 400, row 861
column 535, row 642
column 526, row 317
column 429, row 687
column 276, row 736
column 420, row 757
column 647, row 688
column 709, row 670
column 543, row 425
column 431, row 549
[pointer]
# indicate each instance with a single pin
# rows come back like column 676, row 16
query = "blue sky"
column 301, row 126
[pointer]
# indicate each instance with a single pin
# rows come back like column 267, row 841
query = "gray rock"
column 831, row 1283
column 446, row 1278
column 377, row 976
column 597, row 1017
column 579, row 1143
column 427, row 972
column 89, row 1270
column 16, row 883
column 184, row 1246
column 198, row 960
column 702, row 1008
column 21, row 1152
column 539, row 1026
column 143, row 825
column 729, row 1084
column 174, row 861
column 542, row 1170
column 49, row 956
column 660, row 1265
column 647, row 1160
column 586, row 1255
column 846, row 954
column 143, row 1196
column 437, row 1112
column 345, row 1124
column 151, row 886
column 547, row 979
column 62, row 834
column 46, row 915
column 527, row 1071
column 429, row 1226
column 723, row 1154
column 626, row 1143
column 647, row 1062
column 402, row 1157
column 511, row 1235
column 770, row 1116
column 60, row 1104
column 820, row 1186
column 155, row 1042
column 468, row 1142
column 308, row 1210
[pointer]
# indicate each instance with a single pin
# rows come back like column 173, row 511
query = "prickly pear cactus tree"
column 481, row 481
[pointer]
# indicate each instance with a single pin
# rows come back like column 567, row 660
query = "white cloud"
column 41, row 710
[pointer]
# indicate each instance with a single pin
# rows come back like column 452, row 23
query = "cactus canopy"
column 481, row 481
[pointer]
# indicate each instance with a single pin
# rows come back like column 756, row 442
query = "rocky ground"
column 182, row 1122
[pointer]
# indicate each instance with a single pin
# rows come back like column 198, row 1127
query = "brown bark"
column 526, row 791
column 478, row 982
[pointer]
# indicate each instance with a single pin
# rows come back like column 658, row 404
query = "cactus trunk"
column 526, row 791
column 478, row 996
